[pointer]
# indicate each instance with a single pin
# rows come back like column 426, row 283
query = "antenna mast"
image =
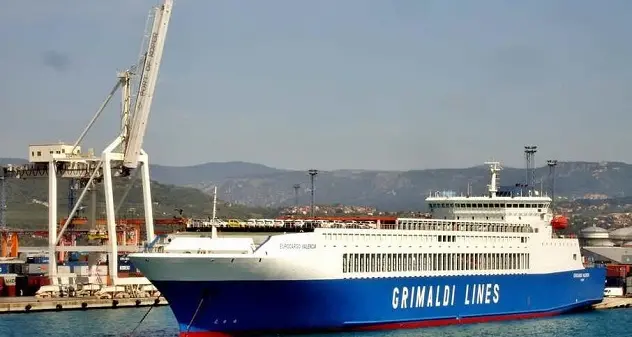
column 494, row 168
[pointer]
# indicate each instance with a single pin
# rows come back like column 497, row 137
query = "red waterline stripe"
column 395, row 326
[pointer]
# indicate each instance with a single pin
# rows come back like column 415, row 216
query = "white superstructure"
column 498, row 233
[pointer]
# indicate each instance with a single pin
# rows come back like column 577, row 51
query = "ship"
column 495, row 256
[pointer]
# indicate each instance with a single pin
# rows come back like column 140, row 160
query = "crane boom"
column 149, row 76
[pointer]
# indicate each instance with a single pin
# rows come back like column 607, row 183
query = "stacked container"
column 125, row 267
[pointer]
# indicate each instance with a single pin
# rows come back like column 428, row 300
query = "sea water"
column 161, row 323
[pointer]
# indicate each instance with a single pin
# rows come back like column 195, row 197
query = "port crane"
column 124, row 154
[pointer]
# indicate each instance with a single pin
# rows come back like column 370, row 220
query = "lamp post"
column 296, row 188
column 552, row 164
column 312, row 174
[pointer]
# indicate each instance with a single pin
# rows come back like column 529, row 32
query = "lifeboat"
column 559, row 222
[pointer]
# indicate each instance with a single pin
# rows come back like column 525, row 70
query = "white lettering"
column 404, row 297
column 488, row 292
column 297, row 246
column 411, row 297
column 437, row 302
column 480, row 293
column 446, row 296
column 395, row 298
column 496, row 293
column 421, row 292
column 467, row 292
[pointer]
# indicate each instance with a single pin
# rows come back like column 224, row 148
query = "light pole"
column 296, row 188
column 552, row 164
column 312, row 174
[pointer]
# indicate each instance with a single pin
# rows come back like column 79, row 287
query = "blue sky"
column 368, row 84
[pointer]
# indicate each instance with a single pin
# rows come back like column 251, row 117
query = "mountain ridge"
column 259, row 185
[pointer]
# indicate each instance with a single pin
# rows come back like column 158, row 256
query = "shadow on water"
column 161, row 323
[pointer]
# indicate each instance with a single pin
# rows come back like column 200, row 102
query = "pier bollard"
column 156, row 301
column 138, row 303
column 58, row 307
column 115, row 303
column 27, row 308
column 84, row 305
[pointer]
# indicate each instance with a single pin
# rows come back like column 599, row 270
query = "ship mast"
column 494, row 168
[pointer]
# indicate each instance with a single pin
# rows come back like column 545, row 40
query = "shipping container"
column 617, row 270
column 34, row 268
column 76, row 263
column 125, row 264
column 37, row 259
column 8, row 285
column 77, row 256
column 126, row 268
column 11, row 268
column 612, row 291
column 81, row 270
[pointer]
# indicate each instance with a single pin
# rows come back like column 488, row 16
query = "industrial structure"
column 89, row 172
column 613, row 246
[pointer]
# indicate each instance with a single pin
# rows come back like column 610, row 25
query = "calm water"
column 161, row 323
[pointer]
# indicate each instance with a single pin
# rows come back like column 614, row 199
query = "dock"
column 28, row 304
column 614, row 303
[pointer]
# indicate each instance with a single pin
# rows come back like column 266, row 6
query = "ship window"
column 574, row 256
column 405, row 262
column 344, row 263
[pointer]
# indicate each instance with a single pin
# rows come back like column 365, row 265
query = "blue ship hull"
column 229, row 308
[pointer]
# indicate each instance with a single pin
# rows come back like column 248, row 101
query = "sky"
column 330, row 84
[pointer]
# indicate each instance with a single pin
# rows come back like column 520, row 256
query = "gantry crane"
column 121, row 156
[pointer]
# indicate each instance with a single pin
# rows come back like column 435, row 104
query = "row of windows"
column 487, row 205
column 410, row 239
column 403, row 262
column 435, row 225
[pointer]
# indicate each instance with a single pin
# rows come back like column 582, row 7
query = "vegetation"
column 27, row 202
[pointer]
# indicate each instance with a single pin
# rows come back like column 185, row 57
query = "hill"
column 209, row 172
column 405, row 190
column 27, row 202
column 261, row 186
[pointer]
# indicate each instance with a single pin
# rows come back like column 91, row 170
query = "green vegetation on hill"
column 27, row 201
